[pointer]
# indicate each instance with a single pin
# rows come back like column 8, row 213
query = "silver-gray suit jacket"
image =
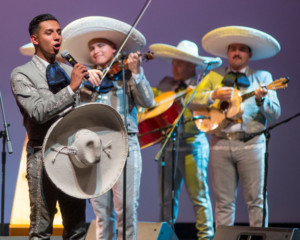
column 38, row 105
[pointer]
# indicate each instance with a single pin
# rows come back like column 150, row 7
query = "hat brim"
column 27, row 49
column 95, row 179
column 263, row 45
column 170, row 52
column 77, row 34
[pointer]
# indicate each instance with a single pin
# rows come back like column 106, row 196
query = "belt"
column 131, row 134
column 33, row 150
column 241, row 136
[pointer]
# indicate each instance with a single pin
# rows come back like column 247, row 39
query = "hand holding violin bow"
column 132, row 62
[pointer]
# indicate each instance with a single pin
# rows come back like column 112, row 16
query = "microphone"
column 201, row 117
column 213, row 61
column 66, row 55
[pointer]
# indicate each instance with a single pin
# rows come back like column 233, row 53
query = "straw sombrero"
column 78, row 33
column 263, row 45
column 186, row 51
column 85, row 151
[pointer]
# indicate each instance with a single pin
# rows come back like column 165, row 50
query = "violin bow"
column 106, row 70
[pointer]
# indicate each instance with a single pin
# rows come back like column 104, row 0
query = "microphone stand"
column 181, row 114
column 5, row 138
column 125, row 107
column 163, row 131
column 173, row 133
column 162, row 177
column 267, row 134
column 175, row 143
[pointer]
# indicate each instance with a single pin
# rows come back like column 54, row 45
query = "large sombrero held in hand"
column 85, row 151
column 78, row 33
column 186, row 51
column 263, row 45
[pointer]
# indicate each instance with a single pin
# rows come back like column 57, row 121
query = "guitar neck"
column 177, row 95
column 181, row 93
column 247, row 95
column 277, row 84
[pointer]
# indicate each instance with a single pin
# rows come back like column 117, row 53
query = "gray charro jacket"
column 38, row 105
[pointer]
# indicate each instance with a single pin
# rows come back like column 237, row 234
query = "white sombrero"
column 186, row 51
column 262, row 44
column 27, row 49
column 78, row 33
column 85, row 151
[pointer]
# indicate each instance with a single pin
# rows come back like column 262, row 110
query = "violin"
column 89, row 93
column 116, row 68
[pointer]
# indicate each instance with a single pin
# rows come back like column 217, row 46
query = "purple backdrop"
column 170, row 21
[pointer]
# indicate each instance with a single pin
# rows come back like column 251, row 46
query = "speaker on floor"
column 155, row 231
column 256, row 233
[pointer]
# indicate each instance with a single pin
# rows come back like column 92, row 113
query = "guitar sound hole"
column 224, row 106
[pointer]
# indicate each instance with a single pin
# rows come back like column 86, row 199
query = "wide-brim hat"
column 262, row 45
column 27, row 49
column 91, row 180
column 186, row 51
column 77, row 34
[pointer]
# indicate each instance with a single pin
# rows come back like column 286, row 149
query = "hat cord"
column 107, row 148
column 65, row 150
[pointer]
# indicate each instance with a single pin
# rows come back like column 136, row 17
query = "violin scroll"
column 148, row 56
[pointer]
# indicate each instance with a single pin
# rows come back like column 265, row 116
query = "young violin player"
column 100, row 38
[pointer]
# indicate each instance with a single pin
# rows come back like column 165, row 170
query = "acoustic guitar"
column 152, row 121
column 221, row 113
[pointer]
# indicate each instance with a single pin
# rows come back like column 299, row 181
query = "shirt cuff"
column 70, row 91
column 210, row 100
column 137, row 77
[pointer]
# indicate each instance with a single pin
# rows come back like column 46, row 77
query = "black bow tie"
column 57, row 78
column 181, row 86
column 237, row 79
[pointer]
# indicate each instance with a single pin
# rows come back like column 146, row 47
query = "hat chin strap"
column 72, row 151
column 106, row 148
column 64, row 150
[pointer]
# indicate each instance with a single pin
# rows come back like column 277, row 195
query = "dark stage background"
column 170, row 21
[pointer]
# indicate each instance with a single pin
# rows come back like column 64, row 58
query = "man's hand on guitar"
column 260, row 93
column 223, row 93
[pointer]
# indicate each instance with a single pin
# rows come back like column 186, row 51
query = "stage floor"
column 184, row 231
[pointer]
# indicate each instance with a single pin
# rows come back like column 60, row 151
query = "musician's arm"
column 141, row 90
column 156, row 92
column 269, row 106
column 37, row 100
column 204, row 91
